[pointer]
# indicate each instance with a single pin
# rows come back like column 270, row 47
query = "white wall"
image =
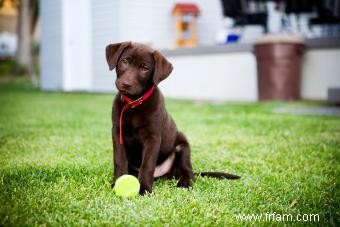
column 51, row 52
column 321, row 70
column 76, row 44
column 105, row 29
column 66, row 45
column 217, row 77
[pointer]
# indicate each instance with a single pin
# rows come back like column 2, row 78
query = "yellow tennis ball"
column 126, row 186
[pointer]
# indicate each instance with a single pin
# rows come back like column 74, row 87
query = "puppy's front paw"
column 184, row 183
column 145, row 190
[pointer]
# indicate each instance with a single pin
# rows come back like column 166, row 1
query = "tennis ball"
column 126, row 186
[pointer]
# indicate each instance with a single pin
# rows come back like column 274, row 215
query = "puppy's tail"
column 219, row 175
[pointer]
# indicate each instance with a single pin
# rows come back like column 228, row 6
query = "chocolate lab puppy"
column 146, row 142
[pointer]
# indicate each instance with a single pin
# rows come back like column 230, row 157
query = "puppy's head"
column 138, row 67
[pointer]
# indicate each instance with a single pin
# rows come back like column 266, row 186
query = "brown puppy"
column 146, row 142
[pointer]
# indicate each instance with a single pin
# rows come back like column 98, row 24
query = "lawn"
column 56, row 164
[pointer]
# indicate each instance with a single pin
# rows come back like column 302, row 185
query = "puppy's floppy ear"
column 113, row 52
column 163, row 67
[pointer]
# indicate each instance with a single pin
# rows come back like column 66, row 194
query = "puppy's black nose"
column 126, row 84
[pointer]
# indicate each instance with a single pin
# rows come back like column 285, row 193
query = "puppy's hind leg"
column 183, row 167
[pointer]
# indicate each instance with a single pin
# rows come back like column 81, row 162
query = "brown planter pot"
column 278, row 67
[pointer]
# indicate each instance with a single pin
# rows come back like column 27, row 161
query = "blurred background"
column 222, row 50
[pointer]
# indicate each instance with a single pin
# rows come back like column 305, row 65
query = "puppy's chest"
column 132, row 126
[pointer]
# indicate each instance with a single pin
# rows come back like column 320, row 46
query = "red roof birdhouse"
column 186, row 24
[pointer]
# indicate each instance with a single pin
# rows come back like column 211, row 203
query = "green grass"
column 56, row 163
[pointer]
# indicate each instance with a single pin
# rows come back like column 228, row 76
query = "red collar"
column 130, row 103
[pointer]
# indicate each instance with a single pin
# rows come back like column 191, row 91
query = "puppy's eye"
column 125, row 61
column 144, row 67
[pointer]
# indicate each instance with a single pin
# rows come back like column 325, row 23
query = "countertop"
column 317, row 43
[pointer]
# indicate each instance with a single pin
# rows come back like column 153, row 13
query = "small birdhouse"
column 186, row 24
